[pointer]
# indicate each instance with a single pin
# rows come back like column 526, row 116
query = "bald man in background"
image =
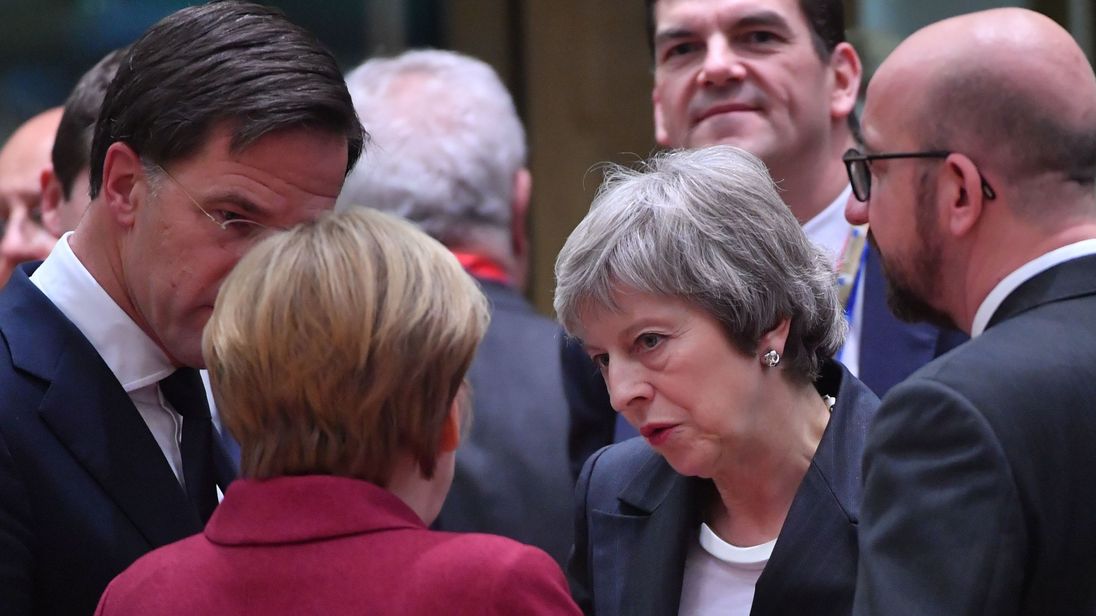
column 978, row 176
column 22, row 161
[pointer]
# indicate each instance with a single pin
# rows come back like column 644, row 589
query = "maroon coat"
column 332, row 545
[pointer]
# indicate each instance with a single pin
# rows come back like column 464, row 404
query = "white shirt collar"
column 828, row 229
column 131, row 355
column 1021, row 275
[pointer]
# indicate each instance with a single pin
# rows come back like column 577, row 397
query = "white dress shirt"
column 134, row 359
column 1021, row 275
column 830, row 231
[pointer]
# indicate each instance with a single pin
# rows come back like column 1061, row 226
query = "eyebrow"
column 248, row 206
column 750, row 20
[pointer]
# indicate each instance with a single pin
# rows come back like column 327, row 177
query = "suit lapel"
column 649, row 542
column 89, row 412
column 1075, row 278
column 814, row 561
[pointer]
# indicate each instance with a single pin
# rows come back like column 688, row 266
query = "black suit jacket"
column 980, row 494
column 512, row 477
column 890, row 351
column 636, row 518
column 84, row 488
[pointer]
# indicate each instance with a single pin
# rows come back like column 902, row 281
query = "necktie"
column 183, row 389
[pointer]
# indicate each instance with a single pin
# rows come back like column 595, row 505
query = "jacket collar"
column 306, row 508
column 87, row 410
column 1065, row 281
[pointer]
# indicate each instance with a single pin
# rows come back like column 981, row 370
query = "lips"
column 721, row 109
column 657, row 433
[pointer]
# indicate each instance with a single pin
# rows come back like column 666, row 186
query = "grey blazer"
column 512, row 476
column 636, row 518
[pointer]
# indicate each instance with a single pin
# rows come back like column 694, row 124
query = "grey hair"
column 706, row 226
column 447, row 145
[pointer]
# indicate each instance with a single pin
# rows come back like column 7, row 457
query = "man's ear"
column 661, row 137
column 519, row 234
column 52, row 196
column 847, row 71
column 122, row 170
column 959, row 194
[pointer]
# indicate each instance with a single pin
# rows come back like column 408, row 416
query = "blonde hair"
column 340, row 344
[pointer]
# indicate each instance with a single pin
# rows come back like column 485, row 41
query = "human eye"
column 648, row 340
column 759, row 37
column 680, row 48
column 236, row 223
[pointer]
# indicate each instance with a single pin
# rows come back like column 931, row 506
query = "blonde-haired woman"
column 337, row 353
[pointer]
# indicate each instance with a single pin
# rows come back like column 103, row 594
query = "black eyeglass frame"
column 862, row 188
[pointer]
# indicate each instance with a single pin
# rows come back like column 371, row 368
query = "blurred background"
column 579, row 70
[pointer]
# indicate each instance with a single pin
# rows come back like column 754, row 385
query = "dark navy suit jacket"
column 84, row 488
column 979, row 495
column 890, row 351
column 636, row 518
column 512, row 476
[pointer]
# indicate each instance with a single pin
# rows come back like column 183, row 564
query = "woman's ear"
column 775, row 338
column 450, row 432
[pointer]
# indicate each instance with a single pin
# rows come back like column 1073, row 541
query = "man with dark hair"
column 778, row 79
column 977, row 176
column 225, row 122
column 65, row 183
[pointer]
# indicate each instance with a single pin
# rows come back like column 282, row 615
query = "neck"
column 807, row 190
column 756, row 489
column 999, row 258
column 424, row 496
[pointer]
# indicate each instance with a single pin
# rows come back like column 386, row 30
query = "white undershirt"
column 720, row 578
column 134, row 359
column 1024, row 273
column 829, row 231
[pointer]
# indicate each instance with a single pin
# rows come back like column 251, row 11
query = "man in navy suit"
column 224, row 123
column 778, row 79
column 458, row 171
column 977, row 175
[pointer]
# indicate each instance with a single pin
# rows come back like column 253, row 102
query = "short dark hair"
column 72, row 145
column 225, row 61
column 826, row 19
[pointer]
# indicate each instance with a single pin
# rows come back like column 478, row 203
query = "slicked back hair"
column 708, row 227
column 234, row 62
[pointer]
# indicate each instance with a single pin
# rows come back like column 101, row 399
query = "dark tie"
column 183, row 389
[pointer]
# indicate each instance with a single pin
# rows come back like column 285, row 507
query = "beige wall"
column 580, row 71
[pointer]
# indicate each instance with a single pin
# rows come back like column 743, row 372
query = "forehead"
column 724, row 14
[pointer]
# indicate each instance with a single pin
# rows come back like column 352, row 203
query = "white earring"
column 771, row 358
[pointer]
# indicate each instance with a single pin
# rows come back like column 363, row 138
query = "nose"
column 856, row 211
column 628, row 387
column 721, row 64
column 24, row 240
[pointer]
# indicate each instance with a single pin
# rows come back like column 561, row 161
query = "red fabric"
column 331, row 545
column 482, row 267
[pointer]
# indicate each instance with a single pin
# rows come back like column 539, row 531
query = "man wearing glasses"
column 977, row 177
column 224, row 123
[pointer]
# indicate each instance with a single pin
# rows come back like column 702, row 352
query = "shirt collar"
column 131, row 355
column 1024, row 273
column 828, row 229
